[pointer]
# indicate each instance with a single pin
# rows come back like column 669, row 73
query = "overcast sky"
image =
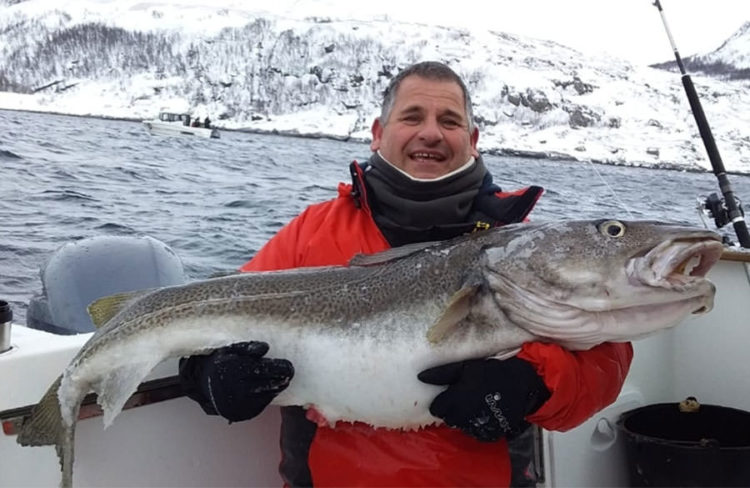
column 630, row 29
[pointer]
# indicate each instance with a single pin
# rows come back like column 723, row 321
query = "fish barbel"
column 358, row 335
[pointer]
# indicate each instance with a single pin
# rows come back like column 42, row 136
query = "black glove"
column 487, row 398
column 236, row 381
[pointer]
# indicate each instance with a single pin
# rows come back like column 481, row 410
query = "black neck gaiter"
column 406, row 210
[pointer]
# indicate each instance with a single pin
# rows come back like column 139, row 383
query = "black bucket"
column 666, row 446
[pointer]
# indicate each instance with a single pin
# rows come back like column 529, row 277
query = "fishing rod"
column 733, row 206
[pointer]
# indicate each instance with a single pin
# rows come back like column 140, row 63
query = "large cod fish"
column 358, row 335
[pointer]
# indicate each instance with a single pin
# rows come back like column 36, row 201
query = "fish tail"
column 45, row 427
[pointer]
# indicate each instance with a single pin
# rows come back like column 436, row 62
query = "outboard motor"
column 82, row 271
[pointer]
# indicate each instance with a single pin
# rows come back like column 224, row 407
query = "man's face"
column 426, row 134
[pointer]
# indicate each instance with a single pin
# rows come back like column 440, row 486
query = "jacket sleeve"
column 581, row 382
column 281, row 251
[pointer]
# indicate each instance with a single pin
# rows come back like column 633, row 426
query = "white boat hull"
column 170, row 443
column 159, row 128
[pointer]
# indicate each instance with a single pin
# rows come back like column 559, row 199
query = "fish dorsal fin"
column 390, row 254
column 103, row 309
column 458, row 309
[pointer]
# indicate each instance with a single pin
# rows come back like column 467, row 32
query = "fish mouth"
column 678, row 265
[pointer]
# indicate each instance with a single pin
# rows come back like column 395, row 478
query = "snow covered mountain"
column 323, row 76
column 729, row 61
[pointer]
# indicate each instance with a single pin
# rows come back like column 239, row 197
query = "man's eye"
column 451, row 123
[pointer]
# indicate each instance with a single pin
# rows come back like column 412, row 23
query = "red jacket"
column 581, row 383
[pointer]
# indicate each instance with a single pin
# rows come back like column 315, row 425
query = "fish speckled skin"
column 358, row 335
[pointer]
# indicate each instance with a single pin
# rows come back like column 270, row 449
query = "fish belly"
column 373, row 379
column 362, row 380
column 363, row 372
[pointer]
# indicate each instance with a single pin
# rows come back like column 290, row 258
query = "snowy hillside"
column 729, row 61
column 734, row 52
column 323, row 76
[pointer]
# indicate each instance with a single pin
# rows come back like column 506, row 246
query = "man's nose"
column 431, row 132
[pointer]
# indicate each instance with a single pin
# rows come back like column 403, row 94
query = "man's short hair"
column 430, row 70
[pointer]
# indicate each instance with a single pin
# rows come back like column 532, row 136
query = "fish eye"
column 612, row 228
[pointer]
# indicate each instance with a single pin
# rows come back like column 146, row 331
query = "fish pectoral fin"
column 103, row 309
column 115, row 388
column 457, row 310
column 506, row 354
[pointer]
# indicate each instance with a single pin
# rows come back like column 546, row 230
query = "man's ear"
column 377, row 134
column 474, row 139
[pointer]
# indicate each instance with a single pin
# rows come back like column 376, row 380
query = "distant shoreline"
column 520, row 153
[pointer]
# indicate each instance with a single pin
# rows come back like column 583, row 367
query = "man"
column 424, row 181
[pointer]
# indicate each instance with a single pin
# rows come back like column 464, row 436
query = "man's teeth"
column 425, row 156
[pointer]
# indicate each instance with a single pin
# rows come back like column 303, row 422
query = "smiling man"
column 425, row 181
column 426, row 131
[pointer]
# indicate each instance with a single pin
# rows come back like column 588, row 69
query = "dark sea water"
column 215, row 202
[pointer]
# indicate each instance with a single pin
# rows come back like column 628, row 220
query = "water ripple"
column 63, row 195
column 117, row 229
column 8, row 155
